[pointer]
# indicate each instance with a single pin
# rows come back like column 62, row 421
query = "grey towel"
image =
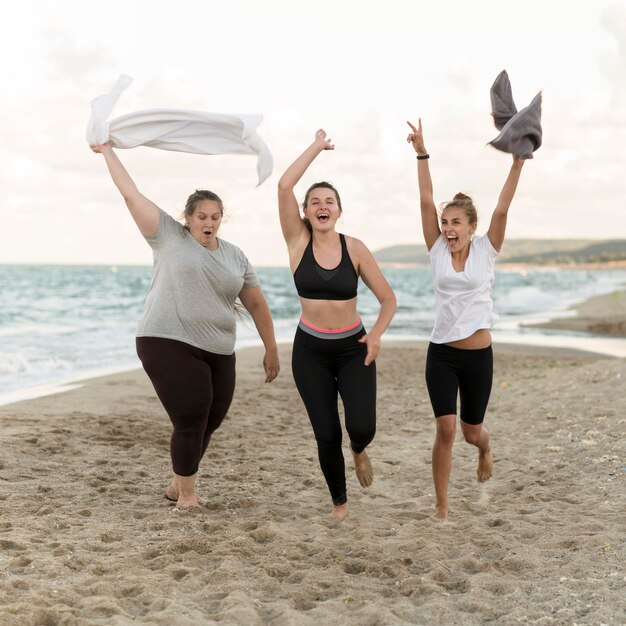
column 520, row 131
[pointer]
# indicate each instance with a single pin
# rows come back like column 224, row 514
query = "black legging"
column 322, row 368
column 195, row 387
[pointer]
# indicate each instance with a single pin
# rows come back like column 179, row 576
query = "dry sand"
column 87, row 538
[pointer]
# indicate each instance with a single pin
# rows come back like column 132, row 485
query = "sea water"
column 60, row 323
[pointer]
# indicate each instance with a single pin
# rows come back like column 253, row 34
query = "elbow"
column 391, row 303
column 284, row 187
column 255, row 308
column 131, row 197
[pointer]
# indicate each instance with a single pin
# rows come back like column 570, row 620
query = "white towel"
column 181, row 130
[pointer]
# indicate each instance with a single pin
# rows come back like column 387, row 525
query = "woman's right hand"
column 100, row 148
column 417, row 138
column 322, row 141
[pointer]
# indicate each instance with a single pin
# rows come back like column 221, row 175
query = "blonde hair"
column 464, row 202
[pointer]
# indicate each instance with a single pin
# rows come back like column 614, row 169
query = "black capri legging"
column 469, row 373
column 324, row 366
column 195, row 387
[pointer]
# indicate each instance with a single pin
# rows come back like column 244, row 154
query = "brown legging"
column 195, row 387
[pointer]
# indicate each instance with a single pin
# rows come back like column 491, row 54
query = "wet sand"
column 87, row 538
column 602, row 315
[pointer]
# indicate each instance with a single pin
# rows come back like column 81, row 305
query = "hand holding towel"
column 181, row 130
column 520, row 131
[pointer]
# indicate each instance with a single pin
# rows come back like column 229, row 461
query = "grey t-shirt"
column 193, row 290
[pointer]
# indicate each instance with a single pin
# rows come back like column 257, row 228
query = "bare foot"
column 189, row 501
column 340, row 512
column 484, row 471
column 187, row 496
column 171, row 493
column 441, row 513
column 363, row 467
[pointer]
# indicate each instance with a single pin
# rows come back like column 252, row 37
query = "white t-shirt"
column 463, row 299
column 193, row 291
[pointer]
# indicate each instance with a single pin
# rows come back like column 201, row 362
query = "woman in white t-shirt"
column 460, row 359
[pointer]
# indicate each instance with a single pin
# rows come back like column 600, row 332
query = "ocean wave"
column 59, row 322
column 15, row 364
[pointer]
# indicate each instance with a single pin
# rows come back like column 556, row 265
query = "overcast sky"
column 358, row 69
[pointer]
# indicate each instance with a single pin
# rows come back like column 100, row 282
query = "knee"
column 328, row 440
column 361, row 436
column 446, row 430
column 472, row 434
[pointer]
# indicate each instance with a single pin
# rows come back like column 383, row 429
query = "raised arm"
column 290, row 220
column 430, row 223
column 497, row 228
column 144, row 211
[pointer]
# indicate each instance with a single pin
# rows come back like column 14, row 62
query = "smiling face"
column 204, row 223
column 456, row 228
column 322, row 208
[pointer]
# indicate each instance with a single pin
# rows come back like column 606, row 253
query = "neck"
column 324, row 236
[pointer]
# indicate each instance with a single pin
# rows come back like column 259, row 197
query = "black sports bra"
column 317, row 283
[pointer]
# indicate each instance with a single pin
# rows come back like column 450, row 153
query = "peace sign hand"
column 417, row 138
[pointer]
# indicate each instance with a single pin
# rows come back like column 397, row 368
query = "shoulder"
column 231, row 251
column 229, row 248
column 355, row 246
column 438, row 247
column 167, row 219
column 166, row 228
column 483, row 243
column 361, row 256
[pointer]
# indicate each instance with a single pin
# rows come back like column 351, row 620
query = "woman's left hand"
column 416, row 137
column 271, row 365
column 372, row 342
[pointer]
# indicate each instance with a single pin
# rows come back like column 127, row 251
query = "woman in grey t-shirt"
column 186, row 335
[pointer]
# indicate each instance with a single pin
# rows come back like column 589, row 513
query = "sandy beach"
column 87, row 537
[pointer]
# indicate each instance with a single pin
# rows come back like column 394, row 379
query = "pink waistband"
column 335, row 330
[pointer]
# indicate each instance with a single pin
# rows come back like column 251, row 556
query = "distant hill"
column 529, row 251
column 409, row 253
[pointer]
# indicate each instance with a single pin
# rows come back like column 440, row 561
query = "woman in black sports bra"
column 332, row 352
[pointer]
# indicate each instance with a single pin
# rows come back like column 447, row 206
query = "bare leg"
column 187, row 496
column 363, row 467
column 442, row 463
column 477, row 435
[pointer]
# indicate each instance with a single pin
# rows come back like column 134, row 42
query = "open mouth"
column 452, row 240
column 323, row 217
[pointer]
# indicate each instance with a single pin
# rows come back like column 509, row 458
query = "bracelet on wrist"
column 421, row 157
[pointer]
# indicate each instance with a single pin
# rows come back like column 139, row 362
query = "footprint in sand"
column 179, row 574
column 11, row 546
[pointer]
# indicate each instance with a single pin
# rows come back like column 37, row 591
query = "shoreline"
column 596, row 325
column 592, row 345
column 589, row 329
